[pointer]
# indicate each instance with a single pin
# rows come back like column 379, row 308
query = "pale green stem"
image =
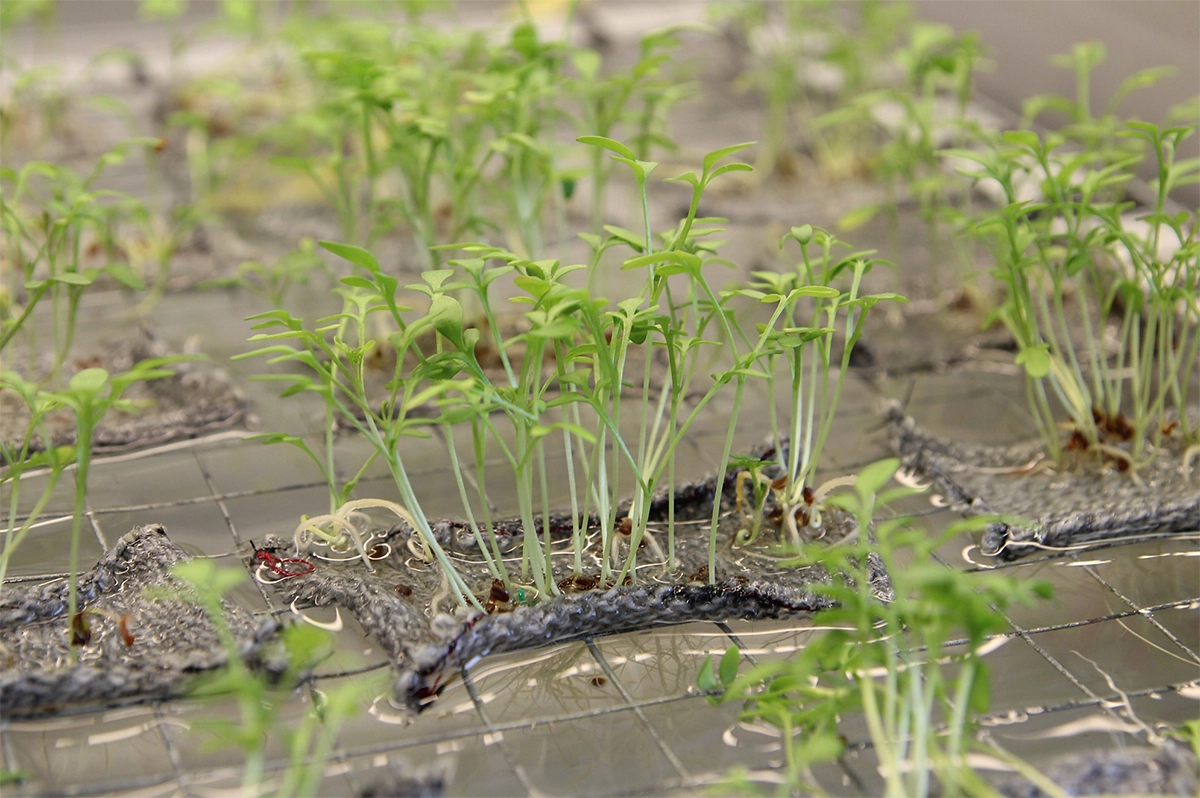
column 83, row 459
column 493, row 565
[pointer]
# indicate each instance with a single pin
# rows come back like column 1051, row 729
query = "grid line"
column 173, row 755
column 237, row 538
column 1146, row 613
column 666, row 749
column 496, row 734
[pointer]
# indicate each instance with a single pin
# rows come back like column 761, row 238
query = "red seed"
column 123, row 627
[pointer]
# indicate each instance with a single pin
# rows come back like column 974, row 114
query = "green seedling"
column 1074, row 255
column 57, row 223
column 259, row 698
column 334, row 354
column 1098, row 133
column 606, row 101
column 408, row 122
column 679, row 327
column 931, row 113
column 784, row 39
column 751, row 503
column 273, row 282
column 889, row 662
column 808, row 312
column 564, row 376
column 90, row 395
column 211, row 119
column 22, row 457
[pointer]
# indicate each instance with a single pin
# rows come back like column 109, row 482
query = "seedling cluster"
column 1101, row 300
column 572, row 374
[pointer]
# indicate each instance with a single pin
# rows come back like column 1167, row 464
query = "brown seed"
column 1121, row 427
column 780, row 483
column 403, row 590
column 599, row 681
column 578, row 584
column 801, row 517
column 378, row 551
column 81, row 629
column 626, row 526
column 699, row 575
column 961, row 301
column 499, row 593
column 807, row 494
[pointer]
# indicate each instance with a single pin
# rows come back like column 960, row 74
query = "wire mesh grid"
column 618, row 715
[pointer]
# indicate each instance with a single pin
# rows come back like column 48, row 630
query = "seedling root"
column 1191, row 453
column 344, row 527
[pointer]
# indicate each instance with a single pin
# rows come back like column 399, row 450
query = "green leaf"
column 688, row 262
column 874, row 299
column 641, row 169
column 802, row 234
column 873, row 477
column 525, row 40
column 730, row 167
column 1021, row 138
column 688, row 177
column 447, row 316
column 541, row 431
column 729, row 665
column 711, row 159
column 852, row 220
column 89, row 381
column 818, row 291
column 207, row 578
column 356, row 255
column 824, row 747
column 1132, row 295
column 276, row 437
column 628, row 236
column 587, row 64
column 306, row 646
column 1036, row 360
column 126, row 276
column 73, row 278
column 609, row 144
column 355, row 281
column 707, row 679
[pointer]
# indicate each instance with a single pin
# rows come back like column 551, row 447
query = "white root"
column 1191, row 453
column 814, row 510
column 831, row 485
column 343, row 523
